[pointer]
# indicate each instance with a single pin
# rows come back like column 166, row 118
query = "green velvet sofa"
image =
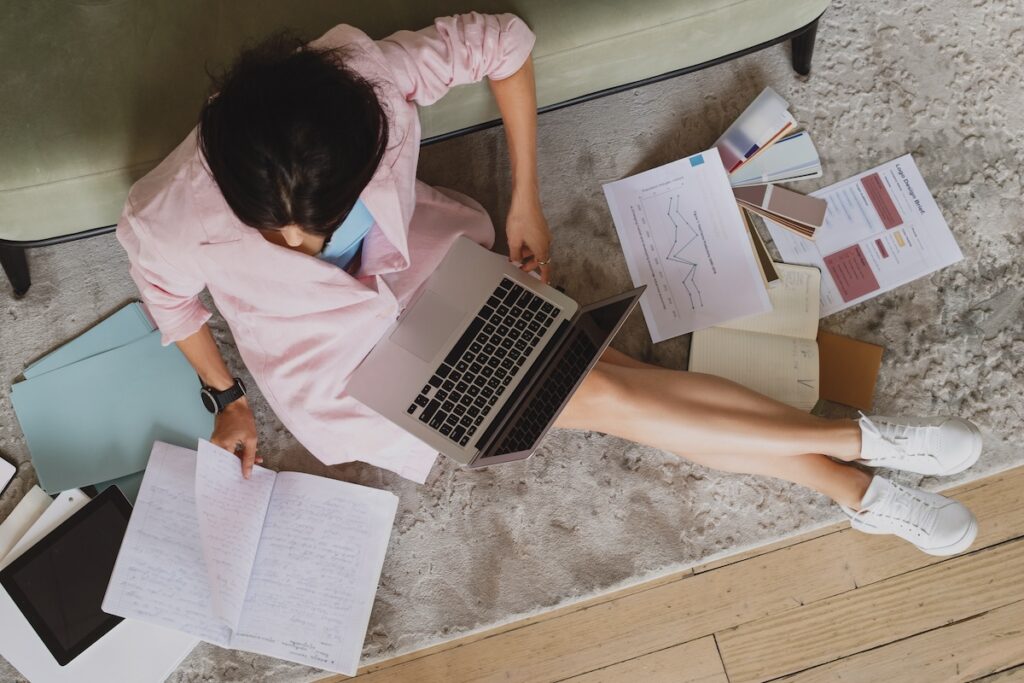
column 95, row 92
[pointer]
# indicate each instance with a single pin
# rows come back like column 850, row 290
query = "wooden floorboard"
column 694, row 662
column 882, row 612
column 963, row 651
column 774, row 611
column 1014, row 675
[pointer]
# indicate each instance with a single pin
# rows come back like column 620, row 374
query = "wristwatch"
column 216, row 401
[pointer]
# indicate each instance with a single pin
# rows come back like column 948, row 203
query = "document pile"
column 55, row 561
column 687, row 234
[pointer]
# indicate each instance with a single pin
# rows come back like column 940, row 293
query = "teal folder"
column 124, row 326
column 95, row 420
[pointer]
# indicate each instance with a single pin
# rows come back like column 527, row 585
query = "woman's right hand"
column 234, row 430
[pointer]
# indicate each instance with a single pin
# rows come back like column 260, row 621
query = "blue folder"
column 95, row 420
column 123, row 327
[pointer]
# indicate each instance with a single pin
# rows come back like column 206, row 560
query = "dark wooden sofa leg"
column 15, row 264
column 803, row 48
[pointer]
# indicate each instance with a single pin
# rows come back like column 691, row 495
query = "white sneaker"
column 935, row 524
column 926, row 445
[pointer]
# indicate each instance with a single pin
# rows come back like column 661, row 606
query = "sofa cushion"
column 95, row 93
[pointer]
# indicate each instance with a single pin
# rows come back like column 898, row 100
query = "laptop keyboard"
column 481, row 365
column 554, row 389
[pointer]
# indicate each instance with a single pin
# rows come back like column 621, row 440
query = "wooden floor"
column 834, row 605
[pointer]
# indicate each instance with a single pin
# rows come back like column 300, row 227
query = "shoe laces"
column 895, row 434
column 903, row 507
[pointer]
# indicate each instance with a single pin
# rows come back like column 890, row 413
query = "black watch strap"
column 216, row 401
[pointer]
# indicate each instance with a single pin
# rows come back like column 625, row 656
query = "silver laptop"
column 480, row 365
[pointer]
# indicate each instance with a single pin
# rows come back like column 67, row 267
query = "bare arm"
column 526, row 228
column 235, row 428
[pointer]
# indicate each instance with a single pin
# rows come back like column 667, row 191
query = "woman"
column 295, row 203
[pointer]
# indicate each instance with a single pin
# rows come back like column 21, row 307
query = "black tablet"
column 59, row 583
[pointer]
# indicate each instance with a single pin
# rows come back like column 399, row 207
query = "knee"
column 605, row 394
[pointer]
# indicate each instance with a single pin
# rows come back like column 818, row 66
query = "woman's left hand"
column 529, row 239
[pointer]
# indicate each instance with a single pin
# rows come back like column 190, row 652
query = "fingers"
column 515, row 251
column 248, row 456
column 534, row 264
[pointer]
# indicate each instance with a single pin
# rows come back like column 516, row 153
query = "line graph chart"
column 684, row 238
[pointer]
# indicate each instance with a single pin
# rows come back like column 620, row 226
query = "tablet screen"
column 59, row 583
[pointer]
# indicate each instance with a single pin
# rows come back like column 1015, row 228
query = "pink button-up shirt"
column 301, row 324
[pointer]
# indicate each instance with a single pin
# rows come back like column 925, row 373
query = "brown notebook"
column 848, row 369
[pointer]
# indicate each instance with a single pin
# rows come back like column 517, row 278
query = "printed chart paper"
column 684, row 237
column 883, row 229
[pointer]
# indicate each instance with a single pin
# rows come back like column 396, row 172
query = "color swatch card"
column 791, row 210
column 791, row 158
column 882, row 229
column 684, row 237
column 764, row 121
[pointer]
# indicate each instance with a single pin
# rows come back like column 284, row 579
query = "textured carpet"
column 941, row 79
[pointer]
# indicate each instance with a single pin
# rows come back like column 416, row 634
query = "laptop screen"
column 558, row 372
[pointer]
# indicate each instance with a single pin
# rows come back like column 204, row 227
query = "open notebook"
column 283, row 564
column 772, row 353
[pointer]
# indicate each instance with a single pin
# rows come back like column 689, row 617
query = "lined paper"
column 291, row 559
column 160, row 576
column 323, row 544
column 230, row 511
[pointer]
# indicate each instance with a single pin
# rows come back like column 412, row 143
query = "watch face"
column 208, row 401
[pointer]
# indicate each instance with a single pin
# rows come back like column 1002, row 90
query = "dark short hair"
column 292, row 136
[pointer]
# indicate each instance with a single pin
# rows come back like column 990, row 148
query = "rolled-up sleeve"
column 456, row 50
column 169, row 292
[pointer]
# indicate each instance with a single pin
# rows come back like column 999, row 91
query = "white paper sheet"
column 794, row 305
column 309, row 583
column 883, row 229
column 683, row 237
column 160, row 576
column 316, row 572
column 131, row 651
column 230, row 510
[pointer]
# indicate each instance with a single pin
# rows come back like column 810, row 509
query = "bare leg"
column 686, row 412
column 719, row 424
column 839, row 481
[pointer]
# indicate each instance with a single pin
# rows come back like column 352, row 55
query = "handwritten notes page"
column 231, row 512
column 316, row 572
column 308, row 581
column 160, row 576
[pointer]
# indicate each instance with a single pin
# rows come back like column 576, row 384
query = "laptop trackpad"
column 425, row 329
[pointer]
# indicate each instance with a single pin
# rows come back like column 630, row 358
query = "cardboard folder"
column 849, row 369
